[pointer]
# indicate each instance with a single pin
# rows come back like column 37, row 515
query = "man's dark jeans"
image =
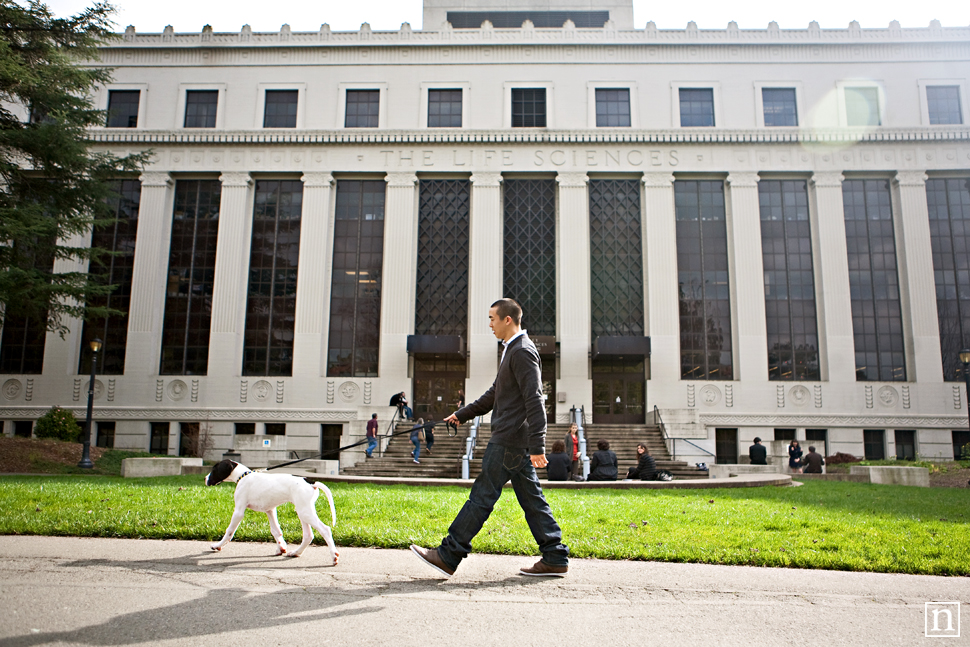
column 499, row 466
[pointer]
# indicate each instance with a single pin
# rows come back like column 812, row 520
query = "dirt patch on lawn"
column 33, row 456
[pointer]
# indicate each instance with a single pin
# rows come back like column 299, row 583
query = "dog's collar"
column 244, row 475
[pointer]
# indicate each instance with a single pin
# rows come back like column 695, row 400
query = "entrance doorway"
column 618, row 391
column 726, row 446
column 330, row 441
column 549, row 386
column 437, row 381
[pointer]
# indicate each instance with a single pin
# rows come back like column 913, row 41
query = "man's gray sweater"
column 515, row 400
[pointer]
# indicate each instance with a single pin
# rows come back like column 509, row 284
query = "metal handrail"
column 470, row 443
column 659, row 421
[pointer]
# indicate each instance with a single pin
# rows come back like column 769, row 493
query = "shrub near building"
column 58, row 424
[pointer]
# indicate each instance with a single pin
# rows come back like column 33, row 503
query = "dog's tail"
column 333, row 512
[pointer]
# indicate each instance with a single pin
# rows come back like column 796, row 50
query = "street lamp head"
column 965, row 355
column 96, row 346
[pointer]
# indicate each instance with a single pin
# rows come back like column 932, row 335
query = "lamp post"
column 965, row 358
column 86, row 453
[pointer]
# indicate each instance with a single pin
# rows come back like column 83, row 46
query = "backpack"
column 664, row 475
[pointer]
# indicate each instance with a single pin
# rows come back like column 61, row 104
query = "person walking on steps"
column 371, row 435
column 515, row 450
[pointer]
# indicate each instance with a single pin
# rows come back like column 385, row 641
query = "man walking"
column 515, row 450
column 371, row 435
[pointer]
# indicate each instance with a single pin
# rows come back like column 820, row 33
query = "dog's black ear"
column 308, row 480
column 220, row 472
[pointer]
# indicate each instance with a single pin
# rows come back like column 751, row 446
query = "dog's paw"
column 292, row 555
column 336, row 558
column 280, row 551
column 215, row 548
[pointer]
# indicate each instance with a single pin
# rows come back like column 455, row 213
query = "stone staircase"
column 445, row 460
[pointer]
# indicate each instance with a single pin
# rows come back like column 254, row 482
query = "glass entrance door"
column 436, row 385
column 618, row 391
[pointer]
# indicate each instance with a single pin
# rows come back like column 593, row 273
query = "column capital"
column 486, row 179
column 155, row 178
column 572, row 180
column 743, row 179
column 827, row 179
column 317, row 180
column 404, row 180
column 911, row 178
column 240, row 180
column 657, row 180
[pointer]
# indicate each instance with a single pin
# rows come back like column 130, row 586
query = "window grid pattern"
column 862, row 107
column 616, row 258
column 444, row 108
column 790, row 312
column 116, row 269
column 949, row 208
column 123, row 108
column 200, row 108
column 441, row 303
column 613, row 108
column 528, row 107
column 943, row 104
column 159, row 439
column 273, row 260
column 363, row 109
column 702, row 274
column 877, row 321
column 874, row 444
column 697, row 107
column 530, row 251
column 191, row 271
column 780, row 108
column 355, row 293
column 25, row 332
column 279, row 110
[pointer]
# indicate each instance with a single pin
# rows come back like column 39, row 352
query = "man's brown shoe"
column 432, row 559
column 541, row 569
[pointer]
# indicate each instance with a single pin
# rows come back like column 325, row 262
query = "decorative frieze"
column 831, row 421
column 162, row 413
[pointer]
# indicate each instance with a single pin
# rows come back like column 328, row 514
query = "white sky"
column 308, row 15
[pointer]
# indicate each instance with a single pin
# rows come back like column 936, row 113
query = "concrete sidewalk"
column 69, row 591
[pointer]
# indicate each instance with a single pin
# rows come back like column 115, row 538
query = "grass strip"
column 825, row 525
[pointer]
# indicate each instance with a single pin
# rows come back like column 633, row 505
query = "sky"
column 308, row 15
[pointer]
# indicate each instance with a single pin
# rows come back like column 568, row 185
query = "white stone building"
column 758, row 232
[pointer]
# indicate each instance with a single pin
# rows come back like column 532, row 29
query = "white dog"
column 263, row 492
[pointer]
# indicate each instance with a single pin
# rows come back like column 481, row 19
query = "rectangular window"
column 330, row 441
column 943, row 104
column 116, row 269
column 355, row 292
column 273, row 259
column 786, row 251
column 702, row 274
column 24, row 329
column 441, row 303
column 616, row 258
column 279, row 110
column 363, row 109
column 819, row 439
column 23, row 428
column 874, row 441
column 697, row 107
column 905, row 445
column 191, row 271
column 780, row 108
column 528, row 107
column 961, row 445
column 275, row 428
column 862, row 106
column 784, row 434
column 444, row 108
column 726, row 446
column 123, row 108
column 877, row 322
column 530, row 251
column 106, row 435
column 612, row 108
column 200, row 108
column 189, row 439
column 245, row 428
column 949, row 210
column 159, row 439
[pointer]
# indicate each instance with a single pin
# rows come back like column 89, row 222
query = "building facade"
column 752, row 232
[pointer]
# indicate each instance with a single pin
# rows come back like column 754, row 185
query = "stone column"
column 397, row 282
column 313, row 282
column 231, row 276
column 485, row 261
column 148, row 277
column 834, row 303
column 748, row 307
column 660, row 264
column 573, row 292
column 915, row 261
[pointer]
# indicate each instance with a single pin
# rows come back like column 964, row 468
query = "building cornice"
column 192, row 415
column 832, row 421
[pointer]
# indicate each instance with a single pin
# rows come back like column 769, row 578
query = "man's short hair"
column 508, row 308
column 757, row 439
column 603, row 444
column 373, row 415
column 558, row 447
column 811, row 448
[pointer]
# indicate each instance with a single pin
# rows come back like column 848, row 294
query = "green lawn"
column 831, row 525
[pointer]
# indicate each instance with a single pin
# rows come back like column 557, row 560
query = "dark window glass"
column 961, row 444
column 106, row 435
column 530, row 252
column 330, row 441
column 616, row 257
column 355, row 292
column 200, row 108
column 862, row 107
column 817, row 438
column 696, row 107
column 363, row 109
column 441, row 303
column 25, row 331
column 779, row 105
column 245, row 428
column 943, row 104
column 877, row 322
column 613, row 107
column 275, row 428
column 273, row 259
column 123, row 108
column 191, row 269
column 514, row 19
column 726, row 446
column 786, row 252
column 949, row 209
column 905, row 444
column 444, row 108
column 528, row 107
column 784, row 434
column 874, row 444
column 115, row 269
column 188, row 438
column 279, row 110
column 159, row 440
column 23, row 428
column 702, row 274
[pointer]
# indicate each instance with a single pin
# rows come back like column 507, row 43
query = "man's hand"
column 452, row 419
column 539, row 461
